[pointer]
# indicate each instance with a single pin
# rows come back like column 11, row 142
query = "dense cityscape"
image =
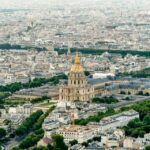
column 75, row 75
column 103, row 25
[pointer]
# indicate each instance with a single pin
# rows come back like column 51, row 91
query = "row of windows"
column 76, row 75
column 78, row 98
column 76, row 82
column 69, row 133
column 79, row 91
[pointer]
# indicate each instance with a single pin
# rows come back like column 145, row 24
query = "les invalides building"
column 77, row 87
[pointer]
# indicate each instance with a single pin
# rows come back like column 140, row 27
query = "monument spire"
column 77, row 59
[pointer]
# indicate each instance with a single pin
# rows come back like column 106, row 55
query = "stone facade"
column 79, row 133
column 77, row 87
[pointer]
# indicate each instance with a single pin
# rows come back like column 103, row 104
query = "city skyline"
column 74, row 74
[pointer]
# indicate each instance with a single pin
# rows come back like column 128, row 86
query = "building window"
column 78, row 81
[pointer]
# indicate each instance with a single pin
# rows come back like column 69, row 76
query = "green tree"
column 13, row 87
column 141, row 133
column 26, row 126
column 147, row 120
column 16, row 148
column 138, row 127
column 147, row 147
column 29, row 141
column 129, row 92
column 107, row 100
column 135, row 133
column 58, row 142
column 87, row 73
column 73, row 142
column 98, row 138
column 50, row 147
column 134, row 123
column 127, row 98
column 7, row 122
column 85, row 144
column 100, row 51
column 2, row 133
column 147, row 94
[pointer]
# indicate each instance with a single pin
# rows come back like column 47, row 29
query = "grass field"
column 15, row 101
column 46, row 104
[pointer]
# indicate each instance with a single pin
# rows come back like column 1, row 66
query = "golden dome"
column 76, row 67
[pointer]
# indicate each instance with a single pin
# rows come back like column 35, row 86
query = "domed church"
column 77, row 87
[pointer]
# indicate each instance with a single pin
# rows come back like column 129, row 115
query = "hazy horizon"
column 38, row 4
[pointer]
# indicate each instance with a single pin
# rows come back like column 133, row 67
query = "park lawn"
column 46, row 104
column 15, row 101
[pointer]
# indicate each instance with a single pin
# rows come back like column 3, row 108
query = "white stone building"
column 79, row 133
column 118, row 120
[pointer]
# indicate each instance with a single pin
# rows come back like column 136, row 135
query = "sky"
column 10, row 4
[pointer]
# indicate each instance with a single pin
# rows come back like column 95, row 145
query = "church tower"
column 76, row 75
column 68, row 52
column 77, row 87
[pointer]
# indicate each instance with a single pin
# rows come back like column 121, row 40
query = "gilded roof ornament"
column 76, row 67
